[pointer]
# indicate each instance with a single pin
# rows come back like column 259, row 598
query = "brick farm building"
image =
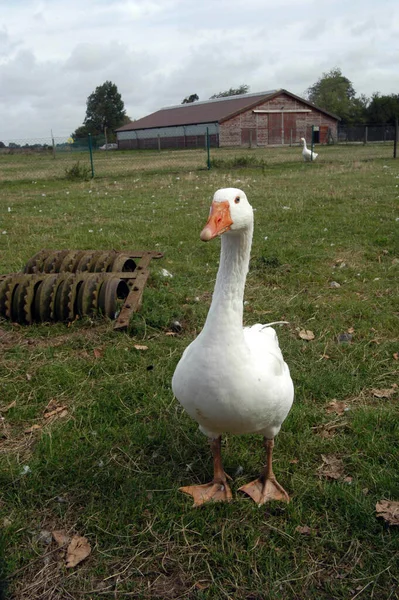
column 273, row 118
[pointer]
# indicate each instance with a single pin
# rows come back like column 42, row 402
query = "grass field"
column 108, row 464
column 34, row 166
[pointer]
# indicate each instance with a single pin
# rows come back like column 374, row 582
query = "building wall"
column 185, row 136
column 277, row 128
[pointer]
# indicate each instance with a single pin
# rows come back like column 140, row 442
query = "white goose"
column 307, row 154
column 234, row 379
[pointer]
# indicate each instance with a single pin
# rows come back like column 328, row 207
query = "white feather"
column 230, row 378
column 308, row 155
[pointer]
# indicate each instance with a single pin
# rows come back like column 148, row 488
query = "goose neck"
column 227, row 301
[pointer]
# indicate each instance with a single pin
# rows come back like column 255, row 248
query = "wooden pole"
column 395, row 142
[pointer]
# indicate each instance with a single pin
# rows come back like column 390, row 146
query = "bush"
column 78, row 171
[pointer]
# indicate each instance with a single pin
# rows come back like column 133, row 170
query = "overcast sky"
column 54, row 53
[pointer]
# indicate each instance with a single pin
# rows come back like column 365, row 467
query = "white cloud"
column 53, row 54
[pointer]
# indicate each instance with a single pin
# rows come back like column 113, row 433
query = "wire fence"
column 48, row 158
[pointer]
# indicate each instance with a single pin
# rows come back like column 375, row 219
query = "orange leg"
column 266, row 487
column 218, row 489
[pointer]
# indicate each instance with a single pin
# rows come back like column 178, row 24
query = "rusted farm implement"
column 60, row 285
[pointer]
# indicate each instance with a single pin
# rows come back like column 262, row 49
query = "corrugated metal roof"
column 207, row 111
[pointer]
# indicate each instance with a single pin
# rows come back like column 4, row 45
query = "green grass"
column 110, row 469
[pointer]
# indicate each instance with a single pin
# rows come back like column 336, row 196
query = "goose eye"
column 237, row 199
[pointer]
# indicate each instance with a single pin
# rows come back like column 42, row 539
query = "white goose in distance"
column 307, row 154
column 232, row 379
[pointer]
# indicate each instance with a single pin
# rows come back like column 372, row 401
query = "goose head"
column 230, row 213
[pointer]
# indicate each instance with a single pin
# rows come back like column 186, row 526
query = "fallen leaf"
column 61, row 537
column 173, row 333
column 388, row 510
column 304, row 529
column 32, row 428
column 385, row 392
column 306, row 334
column 348, row 479
column 201, row 586
column 294, row 461
column 28, row 377
column 98, row 352
column 338, row 407
column 6, row 408
column 60, row 411
column 140, row 347
column 332, row 467
column 327, row 433
column 351, row 330
column 78, row 550
column 396, row 355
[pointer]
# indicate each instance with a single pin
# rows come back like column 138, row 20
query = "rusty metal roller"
column 75, row 261
column 35, row 264
column 4, row 284
column 113, row 292
column 87, row 294
column 123, row 263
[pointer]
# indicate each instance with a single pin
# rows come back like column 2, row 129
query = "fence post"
column 53, row 143
column 208, row 149
column 91, row 156
column 395, row 142
column 311, row 145
column 159, row 143
column 366, row 131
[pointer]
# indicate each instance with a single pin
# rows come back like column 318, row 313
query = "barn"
column 272, row 118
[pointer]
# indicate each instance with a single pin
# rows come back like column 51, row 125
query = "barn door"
column 289, row 128
column 274, row 129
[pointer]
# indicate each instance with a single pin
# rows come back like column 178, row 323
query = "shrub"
column 78, row 171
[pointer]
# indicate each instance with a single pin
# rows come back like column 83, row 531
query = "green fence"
column 91, row 157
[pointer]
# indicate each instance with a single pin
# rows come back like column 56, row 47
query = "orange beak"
column 219, row 221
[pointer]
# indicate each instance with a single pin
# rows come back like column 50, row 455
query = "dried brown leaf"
column 98, row 352
column 332, row 467
column 303, row 529
column 60, row 411
column 33, row 428
column 395, row 355
column 78, row 550
column 61, row 537
column 351, row 330
column 306, row 334
column 140, row 347
column 339, row 408
column 388, row 510
column 6, row 408
column 385, row 392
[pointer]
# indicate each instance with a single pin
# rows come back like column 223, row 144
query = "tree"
column 190, row 99
column 383, row 109
column 80, row 132
column 335, row 93
column 243, row 89
column 105, row 110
